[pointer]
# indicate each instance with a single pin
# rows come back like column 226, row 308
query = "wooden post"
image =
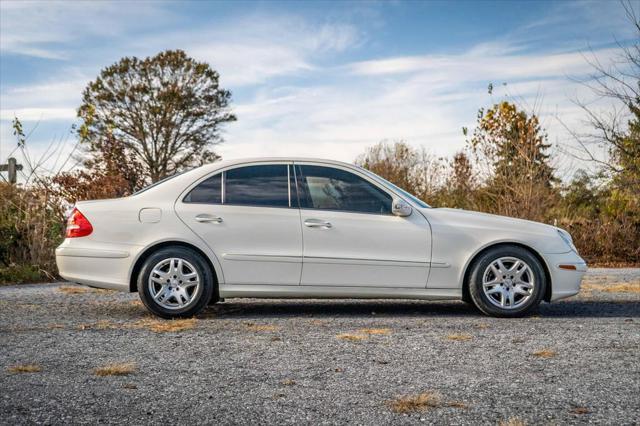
column 13, row 168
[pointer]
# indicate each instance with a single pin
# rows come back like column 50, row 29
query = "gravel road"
column 249, row 361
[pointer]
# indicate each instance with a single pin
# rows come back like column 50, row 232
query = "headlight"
column 566, row 237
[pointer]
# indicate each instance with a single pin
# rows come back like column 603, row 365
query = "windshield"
column 398, row 189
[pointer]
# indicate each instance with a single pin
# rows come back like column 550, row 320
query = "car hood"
column 485, row 229
column 487, row 220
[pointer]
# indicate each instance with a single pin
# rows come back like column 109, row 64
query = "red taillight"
column 78, row 225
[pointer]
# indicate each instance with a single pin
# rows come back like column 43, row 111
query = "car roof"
column 179, row 182
column 238, row 161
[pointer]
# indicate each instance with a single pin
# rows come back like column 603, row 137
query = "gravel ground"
column 249, row 361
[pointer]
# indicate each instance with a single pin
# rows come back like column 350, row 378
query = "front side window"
column 328, row 188
column 261, row 186
column 208, row 191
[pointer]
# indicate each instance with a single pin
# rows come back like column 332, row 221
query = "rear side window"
column 208, row 191
column 327, row 188
column 261, row 186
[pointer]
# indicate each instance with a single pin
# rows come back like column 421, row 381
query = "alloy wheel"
column 508, row 282
column 174, row 283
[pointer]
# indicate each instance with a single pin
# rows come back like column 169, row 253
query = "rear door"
column 350, row 236
column 246, row 215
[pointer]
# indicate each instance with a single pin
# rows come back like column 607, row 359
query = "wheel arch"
column 467, row 270
column 133, row 276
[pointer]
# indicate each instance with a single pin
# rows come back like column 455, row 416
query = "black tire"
column 200, row 297
column 482, row 301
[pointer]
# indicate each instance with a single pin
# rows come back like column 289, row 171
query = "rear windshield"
column 158, row 183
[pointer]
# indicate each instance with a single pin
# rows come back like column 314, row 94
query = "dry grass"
column 260, row 327
column 513, row 421
column 410, row 403
column 24, row 368
column 632, row 287
column 288, row 382
column 457, row 404
column 580, row 410
column 123, row 369
column 166, row 326
column 459, row 337
column 379, row 331
column 545, row 353
column 54, row 326
column 351, row 337
column 482, row 326
column 67, row 289
column 101, row 325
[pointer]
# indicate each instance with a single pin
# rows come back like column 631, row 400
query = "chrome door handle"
column 208, row 218
column 317, row 223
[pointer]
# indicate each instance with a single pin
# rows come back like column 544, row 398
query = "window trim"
column 192, row 187
column 347, row 170
column 290, row 163
column 223, row 172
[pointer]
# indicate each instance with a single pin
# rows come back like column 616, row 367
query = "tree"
column 460, row 186
column 414, row 170
column 616, row 128
column 513, row 147
column 166, row 110
column 109, row 173
column 397, row 162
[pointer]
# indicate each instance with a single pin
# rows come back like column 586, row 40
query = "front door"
column 350, row 236
column 246, row 216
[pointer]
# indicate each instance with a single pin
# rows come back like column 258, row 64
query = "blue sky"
column 321, row 79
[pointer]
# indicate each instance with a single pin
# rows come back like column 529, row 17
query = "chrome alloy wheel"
column 174, row 283
column 508, row 282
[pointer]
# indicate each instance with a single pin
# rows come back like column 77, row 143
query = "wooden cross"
column 12, row 167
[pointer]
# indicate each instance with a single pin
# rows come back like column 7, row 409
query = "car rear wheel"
column 507, row 281
column 175, row 282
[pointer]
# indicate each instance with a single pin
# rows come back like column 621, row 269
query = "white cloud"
column 256, row 48
column 47, row 29
column 425, row 100
column 477, row 64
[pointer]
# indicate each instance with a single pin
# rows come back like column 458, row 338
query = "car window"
column 407, row 194
column 209, row 191
column 328, row 188
column 263, row 186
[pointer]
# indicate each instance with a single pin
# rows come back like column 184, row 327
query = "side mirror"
column 400, row 208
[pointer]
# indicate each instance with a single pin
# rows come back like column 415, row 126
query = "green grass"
column 21, row 274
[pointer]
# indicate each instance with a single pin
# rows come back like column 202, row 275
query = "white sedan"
column 308, row 228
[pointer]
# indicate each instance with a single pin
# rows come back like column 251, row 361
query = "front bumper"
column 565, row 282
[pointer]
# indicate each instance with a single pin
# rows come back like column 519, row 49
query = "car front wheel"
column 175, row 282
column 507, row 281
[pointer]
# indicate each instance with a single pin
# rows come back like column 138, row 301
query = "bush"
column 31, row 226
column 21, row 274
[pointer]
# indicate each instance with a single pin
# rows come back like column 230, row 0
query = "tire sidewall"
column 203, row 295
column 481, row 300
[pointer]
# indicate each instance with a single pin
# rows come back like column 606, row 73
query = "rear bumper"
column 102, row 268
column 565, row 282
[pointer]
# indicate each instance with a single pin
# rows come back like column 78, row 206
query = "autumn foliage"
column 506, row 169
